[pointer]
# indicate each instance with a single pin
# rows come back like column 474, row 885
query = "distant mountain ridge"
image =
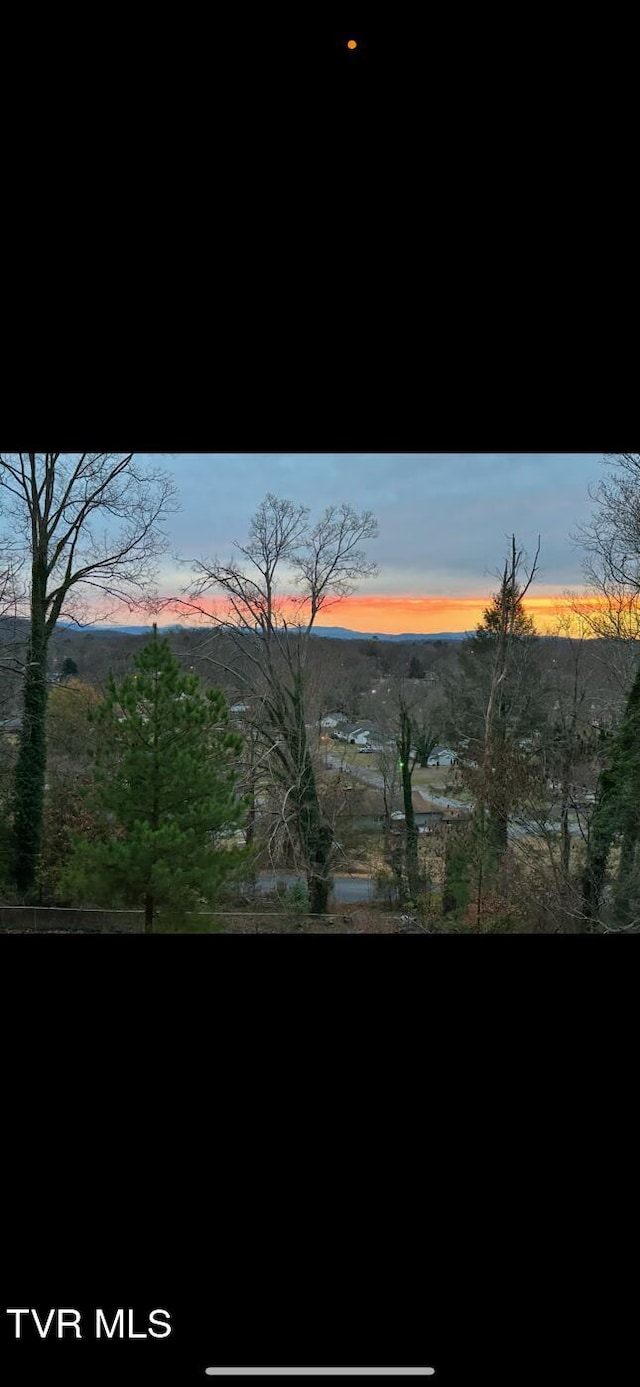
column 341, row 633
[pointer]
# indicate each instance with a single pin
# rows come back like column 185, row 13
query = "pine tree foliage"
column 164, row 777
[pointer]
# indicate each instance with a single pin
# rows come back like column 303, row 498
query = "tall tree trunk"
column 318, row 872
column 498, row 830
column 480, row 834
column 565, row 836
column 599, row 846
column 497, row 791
column 319, row 888
column 396, row 861
column 411, row 834
column 407, row 762
column 32, row 755
column 386, row 836
column 250, row 822
column 148, row 914
column 315, row 834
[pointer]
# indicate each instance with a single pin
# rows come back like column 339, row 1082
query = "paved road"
column 527, row 830
column 516, row 830
column 346, row 890
column 372, row 777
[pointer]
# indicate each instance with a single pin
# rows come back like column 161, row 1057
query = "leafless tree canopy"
column 512, row 592
column 276, row 584
column 11, row 599
column 610, row 608
column 321, row 562
column 611, row 538
column 611, row 544
column 89, row 523
column 93, row 518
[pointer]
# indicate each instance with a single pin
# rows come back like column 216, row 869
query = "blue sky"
column 444, row 518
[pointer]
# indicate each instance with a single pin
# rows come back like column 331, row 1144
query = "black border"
column 395, row 291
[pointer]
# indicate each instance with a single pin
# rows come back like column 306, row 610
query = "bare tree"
column 387, row 761
column 573, row 739
column 611, row 538
column 547, row 852
column 275, row 586
column 490, row 708
column 503, row 623
column 611, row 544
column 610, row 541
column 414, row 743
column 12, row 652
column 12, row 628
column 91, row 525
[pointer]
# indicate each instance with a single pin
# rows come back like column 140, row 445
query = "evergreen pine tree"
column 164, row 777
column 506, row 610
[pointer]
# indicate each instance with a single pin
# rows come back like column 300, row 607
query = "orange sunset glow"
column 393, row 615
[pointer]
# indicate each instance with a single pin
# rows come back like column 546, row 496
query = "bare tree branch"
column 275, row 586
column 90, row 523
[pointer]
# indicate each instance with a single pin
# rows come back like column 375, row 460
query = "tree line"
column 172, row 781
column 93, row 523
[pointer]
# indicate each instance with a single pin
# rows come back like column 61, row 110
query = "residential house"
column 360, row 734
column 360, row 737
column 331, row 720
column 442, row 756
column 426, row 814
column 429, row 815
column 345, row 731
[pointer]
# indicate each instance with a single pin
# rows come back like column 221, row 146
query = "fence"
column 52, row 917
column 122, row 921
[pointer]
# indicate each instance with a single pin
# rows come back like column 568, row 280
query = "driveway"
column 371, row 777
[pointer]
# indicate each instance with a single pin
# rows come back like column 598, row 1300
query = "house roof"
column 421, row 805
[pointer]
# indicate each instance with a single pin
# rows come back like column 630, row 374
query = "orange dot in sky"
column 352, row 43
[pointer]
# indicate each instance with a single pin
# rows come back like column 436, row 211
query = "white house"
column 332, row 720
column 441, row 756
column 344, row 731
column 356, row 733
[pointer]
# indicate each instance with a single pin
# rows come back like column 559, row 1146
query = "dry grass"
column 353, row 919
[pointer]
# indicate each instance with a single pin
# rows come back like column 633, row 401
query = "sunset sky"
column 444, row 524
